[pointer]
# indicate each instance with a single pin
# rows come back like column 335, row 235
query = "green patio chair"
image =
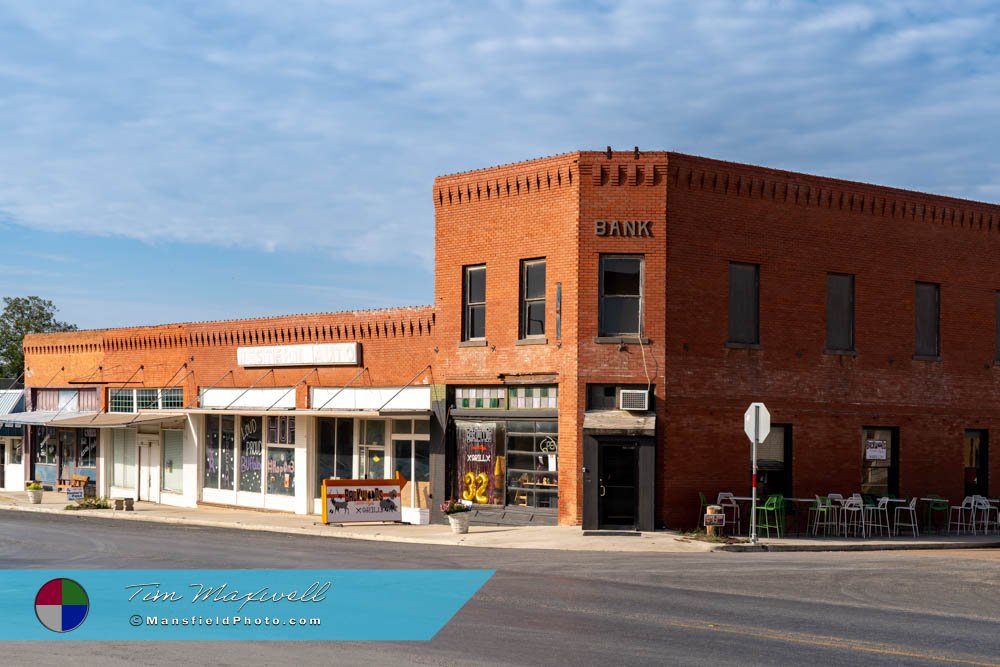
column 823, row 514
column 701, row 511
column 769, row 516
column 935, row 505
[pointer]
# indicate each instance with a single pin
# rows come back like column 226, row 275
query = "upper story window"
column 532, row 298
column 132, row 400
column 621, row 295
column 927, row 309
column 474, row 303
column 744, row 303
column 840, row 312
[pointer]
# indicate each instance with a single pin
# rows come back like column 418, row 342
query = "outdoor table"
column 801, row 514
column 928, row 526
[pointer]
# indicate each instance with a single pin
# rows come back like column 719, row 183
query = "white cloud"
column 315, row 125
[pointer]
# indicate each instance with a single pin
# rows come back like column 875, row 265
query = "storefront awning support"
column 419, row 373
column 212, row 386
column 244, row 392
column 349, row 383
column 292, row 388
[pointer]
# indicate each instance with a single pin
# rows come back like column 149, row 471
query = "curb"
column 906, row 546
column 318, row 530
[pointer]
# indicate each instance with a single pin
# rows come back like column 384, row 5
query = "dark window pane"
column 927, row 310
column 839, row 312
column 534, row 280
column 621, row 276
column 345, row 448
column 326, row 452
column 535, row 319
column 477, row 285
column 477, row 321
column 227, row 453
column 621, row 316
column 743, row 303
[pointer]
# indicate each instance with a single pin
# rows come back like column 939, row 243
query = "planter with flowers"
column 458, row 516
column 35, row 491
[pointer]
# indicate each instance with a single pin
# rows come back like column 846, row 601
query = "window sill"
column 532, row 341
column 926, row 357
column 619, row 340
column 842, row 353
column 478, row 342
column 745, row 346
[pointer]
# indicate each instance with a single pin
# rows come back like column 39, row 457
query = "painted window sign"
column 281, row 471
column 480, row 472
column 251, row 453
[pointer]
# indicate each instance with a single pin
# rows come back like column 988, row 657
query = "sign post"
column 756, row 424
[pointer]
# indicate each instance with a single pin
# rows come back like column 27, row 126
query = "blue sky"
column 179, row 161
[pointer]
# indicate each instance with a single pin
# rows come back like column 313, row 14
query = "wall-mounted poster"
column 480, row 473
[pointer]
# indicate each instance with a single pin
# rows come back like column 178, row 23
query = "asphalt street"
column 558, row 607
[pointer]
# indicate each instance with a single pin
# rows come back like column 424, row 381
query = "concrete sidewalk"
column 510, row 537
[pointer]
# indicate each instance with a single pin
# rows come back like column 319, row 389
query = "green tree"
column 24, row 315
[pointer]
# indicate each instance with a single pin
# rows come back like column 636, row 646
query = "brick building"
column 566, row 288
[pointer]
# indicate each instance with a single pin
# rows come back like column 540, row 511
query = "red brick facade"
column 702, row 214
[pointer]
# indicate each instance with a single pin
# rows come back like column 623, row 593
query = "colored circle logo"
column 61, row 605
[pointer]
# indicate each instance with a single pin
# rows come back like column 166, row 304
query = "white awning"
column 115, row 419
column 41, row 417
column 619, row 422
column 250, row 412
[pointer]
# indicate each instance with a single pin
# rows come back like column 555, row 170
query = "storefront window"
column 480, row 465
column 86, row 453
column 281, row 471
column 45, row 445
column 227, row 453
column 211, row 477
column 123, row 473
column 251, row 453
column 335, row 450
column 281, row 430
column 532, row 464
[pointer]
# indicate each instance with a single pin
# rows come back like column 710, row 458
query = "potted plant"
column 34, row 493
column 458, row 516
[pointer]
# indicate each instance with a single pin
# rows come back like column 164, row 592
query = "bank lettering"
column 623, row 228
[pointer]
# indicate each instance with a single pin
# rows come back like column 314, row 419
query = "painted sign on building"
column 320, row 354
column 480, row 471
column 354, row 500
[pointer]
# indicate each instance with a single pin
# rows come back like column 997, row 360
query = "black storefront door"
column 617, row 473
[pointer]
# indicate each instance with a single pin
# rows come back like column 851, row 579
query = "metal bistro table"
column 801, row 515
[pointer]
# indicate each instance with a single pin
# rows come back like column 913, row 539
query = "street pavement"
column 558, row 607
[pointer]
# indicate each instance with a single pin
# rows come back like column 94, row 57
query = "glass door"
column 67, row 455
column 372, row 461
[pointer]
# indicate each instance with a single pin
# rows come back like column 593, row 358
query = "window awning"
column 619, row 422
column 115, row 419
column 41, row 417
column 251, row 412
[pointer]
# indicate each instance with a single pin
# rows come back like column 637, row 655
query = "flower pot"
column 35, row 496
column 459, row 522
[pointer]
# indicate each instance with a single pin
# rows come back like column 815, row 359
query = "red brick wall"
column 798, row 228
column 499, row 216
column 623, row 188
column 395, row 345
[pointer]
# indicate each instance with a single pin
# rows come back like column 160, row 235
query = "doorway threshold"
column 612, row 533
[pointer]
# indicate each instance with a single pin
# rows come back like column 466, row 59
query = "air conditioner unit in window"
column 633, row 399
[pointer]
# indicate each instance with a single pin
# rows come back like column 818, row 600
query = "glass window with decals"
column 532, row 464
